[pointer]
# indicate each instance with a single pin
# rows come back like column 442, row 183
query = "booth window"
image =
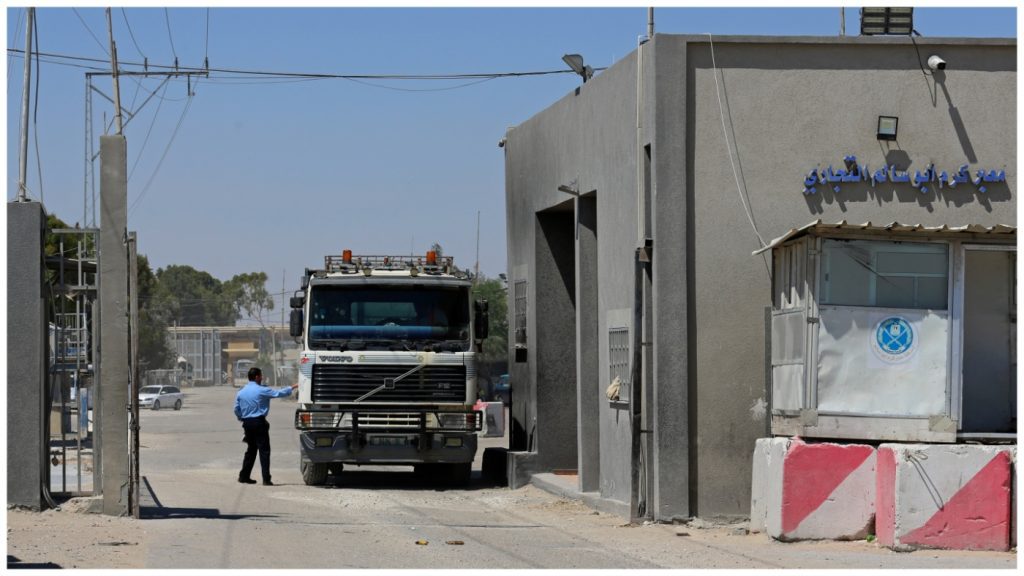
column 885, row 274
column 618, row 359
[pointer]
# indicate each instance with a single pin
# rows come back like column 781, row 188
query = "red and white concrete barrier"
column 944, row 496
column 812, row 491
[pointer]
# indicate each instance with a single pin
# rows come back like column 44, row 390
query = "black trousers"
column 257, row 438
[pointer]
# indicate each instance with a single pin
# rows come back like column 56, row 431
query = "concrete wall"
column 581, row 141
column 27, row 445
column 788, row 105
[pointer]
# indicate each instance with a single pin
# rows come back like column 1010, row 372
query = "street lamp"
column 575, row 61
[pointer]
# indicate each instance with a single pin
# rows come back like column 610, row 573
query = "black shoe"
column 246, row 481
column 265, row 483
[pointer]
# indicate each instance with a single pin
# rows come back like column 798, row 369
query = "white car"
column 157, row 397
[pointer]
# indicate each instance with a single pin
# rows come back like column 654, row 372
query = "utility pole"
column 842, row 21
column 113, row 64
column 476, row 273
column 23, row 164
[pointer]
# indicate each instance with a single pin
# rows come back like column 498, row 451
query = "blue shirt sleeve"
column 238, row 409
column 281, row 392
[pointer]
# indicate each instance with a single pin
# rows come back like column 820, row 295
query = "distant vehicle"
column 502, row 391
column 242, row 371
column 157, row 397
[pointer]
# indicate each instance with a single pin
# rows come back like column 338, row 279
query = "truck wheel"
column 458, row 474
column 313, row 474
column 495, row 465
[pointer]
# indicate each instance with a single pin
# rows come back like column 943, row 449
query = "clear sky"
column 269, row 175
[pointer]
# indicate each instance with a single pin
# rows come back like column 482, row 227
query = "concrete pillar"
column 588, row 372
column 27, row 381
column 675, row 387
column 114, row 307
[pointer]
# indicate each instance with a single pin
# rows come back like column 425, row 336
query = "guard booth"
column 894, row 333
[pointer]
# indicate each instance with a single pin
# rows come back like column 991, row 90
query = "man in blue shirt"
column 251, row 407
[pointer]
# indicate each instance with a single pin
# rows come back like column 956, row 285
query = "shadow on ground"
column 14, row 562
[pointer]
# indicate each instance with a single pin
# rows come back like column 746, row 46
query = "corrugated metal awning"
column 999, row 229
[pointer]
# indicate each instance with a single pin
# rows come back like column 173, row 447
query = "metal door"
column 989, row 397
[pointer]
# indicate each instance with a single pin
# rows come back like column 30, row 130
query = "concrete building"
column 699, row 150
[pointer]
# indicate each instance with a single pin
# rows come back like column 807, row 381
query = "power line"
column 17, row 36
column 89, row 30
column 35, row 111
column 167, row 18
column 132, row 34
column 467, row 84
column 320, row 75
column 162, row 157
column 148, row 132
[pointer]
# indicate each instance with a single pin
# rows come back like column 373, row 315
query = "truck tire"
column 458, row 474
column 313, row 474
column 495, row 466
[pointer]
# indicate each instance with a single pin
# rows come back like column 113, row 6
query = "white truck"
column 387, row 370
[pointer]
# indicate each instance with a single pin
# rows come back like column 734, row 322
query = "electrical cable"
column 132, row 34
column 148, row 133
column 725, row 134
column 167, row 18
column 918, row 50
column 473, row 83
column 309, row 75
column 35, row 110
column 89, row 30
column 17, row 36
column 145, row 189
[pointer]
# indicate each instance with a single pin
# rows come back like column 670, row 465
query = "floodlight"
column 886, row 21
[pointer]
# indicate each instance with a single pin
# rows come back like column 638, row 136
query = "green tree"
column 154, row 350
column 494, row 360
column 195, row 298
column 248, row 293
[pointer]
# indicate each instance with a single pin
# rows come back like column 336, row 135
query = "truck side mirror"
column 295, row 323
column 481, row 321
column 297, row 301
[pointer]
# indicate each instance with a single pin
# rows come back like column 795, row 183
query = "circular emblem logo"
column 894, row 339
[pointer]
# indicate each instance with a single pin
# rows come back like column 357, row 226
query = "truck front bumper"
column 387, row 448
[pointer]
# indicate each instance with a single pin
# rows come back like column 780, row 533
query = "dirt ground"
column 72, row 538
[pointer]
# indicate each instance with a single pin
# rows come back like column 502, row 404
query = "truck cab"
column 387, row 370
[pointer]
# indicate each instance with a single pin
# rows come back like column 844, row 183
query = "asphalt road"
column 196, row 515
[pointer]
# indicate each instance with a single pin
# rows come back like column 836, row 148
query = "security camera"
column 501, row 143
column 936, row 63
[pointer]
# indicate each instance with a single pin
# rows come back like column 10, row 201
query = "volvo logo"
column 332, row 358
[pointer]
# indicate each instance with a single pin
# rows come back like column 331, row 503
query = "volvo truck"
column 387, row 370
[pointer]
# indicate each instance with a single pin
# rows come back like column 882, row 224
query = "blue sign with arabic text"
column 854, row 172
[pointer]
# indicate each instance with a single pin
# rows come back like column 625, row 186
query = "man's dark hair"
column 253, row 373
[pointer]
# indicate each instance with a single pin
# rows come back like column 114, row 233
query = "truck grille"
column 347, row 382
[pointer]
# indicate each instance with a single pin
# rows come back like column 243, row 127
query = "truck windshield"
column 410, row 316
